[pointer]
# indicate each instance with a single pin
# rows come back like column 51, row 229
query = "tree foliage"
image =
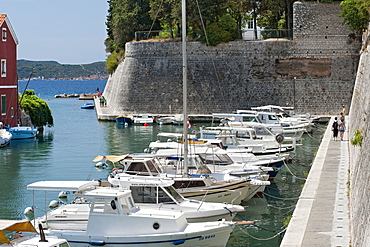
column 356, row 14
column 125, row 17
column 37, row 109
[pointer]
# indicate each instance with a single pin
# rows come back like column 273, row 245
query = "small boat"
column 19, row 226
column 23, row 132
column 165, row 120
column 124, row 119
column 5, row 137
column 144, row 119
column 88, row 106
column 114, row 219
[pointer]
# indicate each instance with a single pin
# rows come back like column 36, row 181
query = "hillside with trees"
column 55, row 70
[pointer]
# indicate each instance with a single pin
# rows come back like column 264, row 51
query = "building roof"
column 4, row 18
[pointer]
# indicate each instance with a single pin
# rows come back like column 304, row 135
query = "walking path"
column 321, row 217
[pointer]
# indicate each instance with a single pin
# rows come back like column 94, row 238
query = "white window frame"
column 250, row 24
column 3, row 34
column 3, row 67
column 3, row 106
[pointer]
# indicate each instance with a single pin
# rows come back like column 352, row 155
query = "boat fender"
column 100, row 164
column 113, row 205
column 28, row 211
column 97, row 243
column 53, row 204
column 63, row 194
column 180, row 241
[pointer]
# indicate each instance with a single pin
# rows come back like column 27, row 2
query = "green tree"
column 125, row 17
column 168, row 13
column 37, row 109
column 223, row 31
column 355, row 14
column 238, row 10
column 200, row 14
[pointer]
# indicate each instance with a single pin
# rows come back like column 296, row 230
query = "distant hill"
column 55, row 70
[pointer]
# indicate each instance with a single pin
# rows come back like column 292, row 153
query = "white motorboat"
column 147, row 193
column 211, row 187
column 143, row 119
column 114, row 219
column 20, row 226
column 165, row 120
column 5, row 137
column 255, row 137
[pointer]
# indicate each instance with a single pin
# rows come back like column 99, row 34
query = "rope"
column 289, row 207
column 212, row 59
column 285, row 199
column 262, row 239
column 154, row 19
column 292, row 172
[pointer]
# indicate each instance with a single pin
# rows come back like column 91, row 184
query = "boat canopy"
column 175, row 135
column 62, row 185
column 111, row 158
column 14, row 225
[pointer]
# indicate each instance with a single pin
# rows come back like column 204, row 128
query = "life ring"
column 279, row 138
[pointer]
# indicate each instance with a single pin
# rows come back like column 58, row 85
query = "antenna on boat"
column 184, row 86
column 42, row 234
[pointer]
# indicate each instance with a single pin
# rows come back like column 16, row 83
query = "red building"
column 8, row 73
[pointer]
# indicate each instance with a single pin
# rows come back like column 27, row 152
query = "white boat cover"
column 62, row 185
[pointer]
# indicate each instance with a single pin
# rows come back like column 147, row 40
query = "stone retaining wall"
column 359, row 156
column 312, row 73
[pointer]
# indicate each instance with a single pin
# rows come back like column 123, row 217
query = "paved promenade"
column 321, row 217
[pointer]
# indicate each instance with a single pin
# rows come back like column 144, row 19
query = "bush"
column 37, row 109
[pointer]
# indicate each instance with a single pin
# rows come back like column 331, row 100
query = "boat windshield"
column 175, row 194
column 147, row 194
column 216, row 159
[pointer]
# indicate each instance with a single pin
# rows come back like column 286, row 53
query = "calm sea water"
column 66, row 151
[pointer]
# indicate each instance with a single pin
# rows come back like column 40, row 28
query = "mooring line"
column 296, row 198
column 261, row 239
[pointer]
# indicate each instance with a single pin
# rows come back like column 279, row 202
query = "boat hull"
column 217, row 235
column 123, row 120
column 21, row 132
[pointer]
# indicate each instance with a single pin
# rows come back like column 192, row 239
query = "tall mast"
column 184, row 86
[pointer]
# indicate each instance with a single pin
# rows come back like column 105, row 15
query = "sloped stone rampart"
column 359, row 156
column 243, row 74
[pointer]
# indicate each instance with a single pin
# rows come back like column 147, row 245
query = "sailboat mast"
column 184, row 86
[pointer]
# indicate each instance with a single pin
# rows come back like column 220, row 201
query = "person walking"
column 344, row 110
column 335, row 128
column 102, row 101
column 342, row 129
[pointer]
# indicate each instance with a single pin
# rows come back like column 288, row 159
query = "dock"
column 85, row 96
column 321, row 217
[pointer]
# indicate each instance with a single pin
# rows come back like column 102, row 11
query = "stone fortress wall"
column 359, row 157
column 315, row 72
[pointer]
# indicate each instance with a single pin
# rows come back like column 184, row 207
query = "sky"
column 66, row 31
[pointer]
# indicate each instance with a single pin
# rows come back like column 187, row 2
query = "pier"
column 321, row 217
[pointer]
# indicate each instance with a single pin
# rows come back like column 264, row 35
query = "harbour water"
column 66, row 151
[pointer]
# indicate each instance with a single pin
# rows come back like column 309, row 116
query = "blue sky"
column 66, row 31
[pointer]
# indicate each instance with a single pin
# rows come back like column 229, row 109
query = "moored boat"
column 124, row 119
column 88, row 106
column 114, row 219
column 5, row 136
column 19, row 226
column 23, row 132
